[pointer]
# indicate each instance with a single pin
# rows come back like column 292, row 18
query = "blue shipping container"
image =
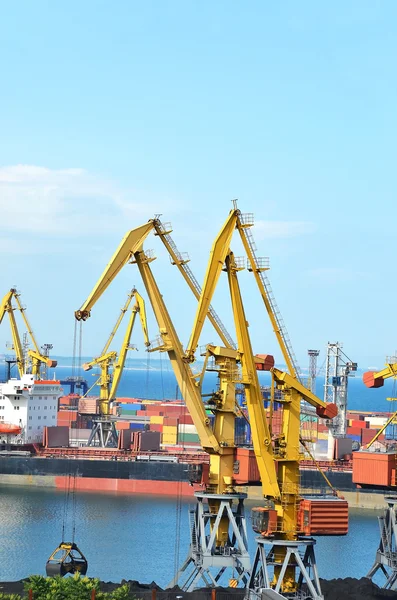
column 137, row 426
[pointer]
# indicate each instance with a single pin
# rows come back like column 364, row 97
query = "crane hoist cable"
column 67, row 558
column 319, row 469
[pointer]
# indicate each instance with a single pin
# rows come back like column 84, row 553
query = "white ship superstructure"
column 29, row 404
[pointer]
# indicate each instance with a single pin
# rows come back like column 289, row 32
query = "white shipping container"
column 187, row 428
column 376, row 421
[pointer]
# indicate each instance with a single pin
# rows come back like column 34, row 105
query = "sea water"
column 135, row 537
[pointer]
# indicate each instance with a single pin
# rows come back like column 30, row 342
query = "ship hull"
column 152, row 477
column 130, row 477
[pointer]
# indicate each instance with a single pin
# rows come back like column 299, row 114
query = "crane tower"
column 337, row 371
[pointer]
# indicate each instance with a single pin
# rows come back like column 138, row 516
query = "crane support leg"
column 103, row 434
column 386, row 554
column 298, row 554
column 207, row 562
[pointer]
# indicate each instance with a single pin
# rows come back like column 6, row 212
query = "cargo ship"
column 159, row 449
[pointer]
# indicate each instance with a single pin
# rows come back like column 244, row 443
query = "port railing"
column 123, row 455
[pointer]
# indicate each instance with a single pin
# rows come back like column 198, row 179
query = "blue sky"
column 112, row 112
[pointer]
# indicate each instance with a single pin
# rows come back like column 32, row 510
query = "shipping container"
column 185, row 420
column 391, row 432
column 376, row 422
column 246, row 467
column 352, row 431
column 156, row 419
column 168, row 439
column 156, row 427
column 360, row 424
column 374, row 468
column 188, row 437
column 122, row 425
column 137, row 426
column 368, row 435
column 170, row 421
column 185, row 428
column 324, row 516
column 170, row 429
column 89, row 406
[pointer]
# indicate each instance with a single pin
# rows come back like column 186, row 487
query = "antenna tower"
column 313, row 355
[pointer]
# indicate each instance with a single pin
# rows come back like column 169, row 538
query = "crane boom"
column 118, row 322
column 172, row 345
column 7, row 308
column 260, row 431
column 376, row 379
column 109, row 382
column 118, row 366
column 218, row 253
column 131, row 243
column 27, row 324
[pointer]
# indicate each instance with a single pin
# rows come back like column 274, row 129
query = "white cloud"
column 67, row 202
column 282, row 229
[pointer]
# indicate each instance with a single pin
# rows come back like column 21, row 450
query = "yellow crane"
column 218, row 440
column 278, row 459
column 34, row 359
column 111, row 369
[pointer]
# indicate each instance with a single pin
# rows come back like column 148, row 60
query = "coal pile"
column 334, row 589
column 354, row 589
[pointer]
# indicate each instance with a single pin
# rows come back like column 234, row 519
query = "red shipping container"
column 324, row 516
column 185, row 420
column 368, row 434
column 122, row 425
column 354, row 430
column 171, row 422
column 156, row 427
column 374, row 468
column 360, row 424
column 247, row 467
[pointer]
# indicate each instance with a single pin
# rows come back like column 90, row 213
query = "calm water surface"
column 133, row 537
